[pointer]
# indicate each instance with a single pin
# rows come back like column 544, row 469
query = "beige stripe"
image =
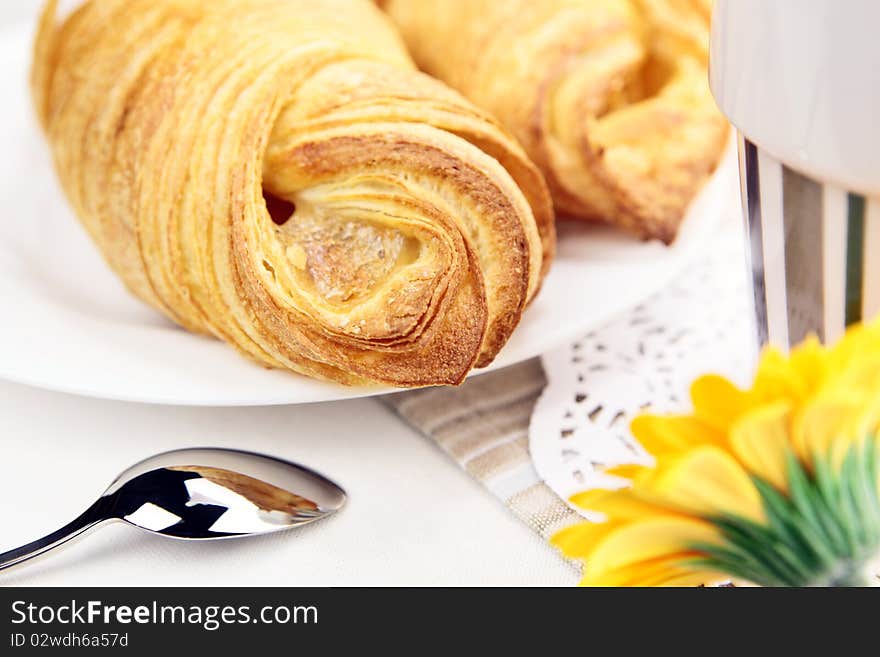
column 486, row 446
column 519, row 408
column 430, row 409
column 542, row 510
column 871, row 281
column 499, row 460
column 469, row 435
column 773, row 232
column 486, row 406
column 834, row 229
column 803, row 255
column 483, row 425
column 477, row 445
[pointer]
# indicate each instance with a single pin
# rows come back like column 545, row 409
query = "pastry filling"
column 345, row 259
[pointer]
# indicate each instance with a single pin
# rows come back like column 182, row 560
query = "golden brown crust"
column 609, row 97
column 417, row 229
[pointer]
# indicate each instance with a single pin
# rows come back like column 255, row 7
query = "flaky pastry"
column 280, row 176
column 609, row 97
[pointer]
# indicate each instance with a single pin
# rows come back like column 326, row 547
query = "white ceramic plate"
column 67, row 323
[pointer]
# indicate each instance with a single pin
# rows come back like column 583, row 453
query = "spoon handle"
column 94, row 515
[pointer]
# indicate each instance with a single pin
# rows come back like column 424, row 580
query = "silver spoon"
column 200, row 494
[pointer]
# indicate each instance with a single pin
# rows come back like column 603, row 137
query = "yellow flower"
column 775, row 485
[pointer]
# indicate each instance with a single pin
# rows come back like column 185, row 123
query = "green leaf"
column 763, row 544
column 821, row 533
column 793, row 528
column 868, row 475
column 869, row 505
column 810, row 503
column 829, row 486
column 735, row 562
column 849, row 497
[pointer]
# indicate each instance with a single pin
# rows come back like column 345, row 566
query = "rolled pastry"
column 278, row 175
column 609, row 97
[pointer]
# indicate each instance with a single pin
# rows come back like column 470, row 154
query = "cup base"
column 813, row 251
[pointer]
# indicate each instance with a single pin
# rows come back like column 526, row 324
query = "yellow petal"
column 810, row 361
column 588, row 499
column 858, row 340
column 862, row 375
column 627, row 470
column 760, row 439
column 692, row 578
column 618, row 504
column 646, row 540
column 777, row 379
column 579, row 540
column 674, row 570
column 661, row 435
column 717, row 402
column 706, row 481
column 835, row 420
column 643, row 573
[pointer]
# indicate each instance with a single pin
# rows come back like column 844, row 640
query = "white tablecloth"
column 413, row 518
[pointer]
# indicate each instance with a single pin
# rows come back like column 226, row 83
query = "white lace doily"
column 647, row 359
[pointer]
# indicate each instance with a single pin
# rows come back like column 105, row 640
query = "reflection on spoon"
column 200, row 494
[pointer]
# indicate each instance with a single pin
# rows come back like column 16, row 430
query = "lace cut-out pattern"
column 643, row 361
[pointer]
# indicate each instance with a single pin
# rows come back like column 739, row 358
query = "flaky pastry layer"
column 278, row 175
column 609, row 97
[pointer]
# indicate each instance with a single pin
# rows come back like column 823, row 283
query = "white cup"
column 800, row 80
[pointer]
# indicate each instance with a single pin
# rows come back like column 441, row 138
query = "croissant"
column 280, row 176
column 609, row 97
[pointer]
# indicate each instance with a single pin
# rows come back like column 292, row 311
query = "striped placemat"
column 484, row 426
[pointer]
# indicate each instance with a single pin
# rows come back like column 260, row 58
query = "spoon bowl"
column 202, row 494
